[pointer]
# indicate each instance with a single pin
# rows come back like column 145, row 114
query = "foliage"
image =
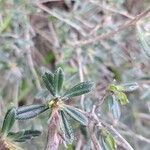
column 7, row 138
column 78, row 41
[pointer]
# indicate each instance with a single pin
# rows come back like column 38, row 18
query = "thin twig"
column 79, row 143
column 31, row 65
column 94, row 139
column 68, row 22
column 101, row 123
column 129, row 132
column 121, row 137
column 138, row 136
column 112, row 33
column 112, row 9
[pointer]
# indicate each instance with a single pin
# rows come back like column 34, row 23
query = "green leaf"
column 114, row 107
column 66, row 128
column 112, row 88
column 70, row 147
column 8, row 121
column 22, row 136
column 76, row 114
column 58, row 80
column 122, row 98
column 15, row 135
column 48, row 79
column 31, row 111
column 116, row 72
column 79, row 89
column 84, row 131
column 108, row 141
column 5, row 24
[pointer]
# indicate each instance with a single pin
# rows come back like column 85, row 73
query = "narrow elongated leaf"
column 108, row 141
column 48, row 79
column 15, row 135
column 27, row 112
column 76, row 114
column 105, row 146
column 8, row 121
column 58, row 80
column 66, row 128
column 79, row 89
column 114, row 107
column 32, row 133
column 22, row 136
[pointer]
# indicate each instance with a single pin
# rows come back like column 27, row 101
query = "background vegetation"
column 105, row 41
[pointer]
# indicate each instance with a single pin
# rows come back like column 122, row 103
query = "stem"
column 53, row 138
column 121, row 138
column 94, row 140
column 80, row 73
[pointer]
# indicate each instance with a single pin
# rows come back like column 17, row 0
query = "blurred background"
column 100, row 40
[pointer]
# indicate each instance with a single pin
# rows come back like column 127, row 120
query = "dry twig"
column 112, row 33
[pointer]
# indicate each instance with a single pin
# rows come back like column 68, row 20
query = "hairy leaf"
column 22, row 136
column 66, row 128
column 48, row 79
column 58, row 80
column 79, row 89
column 114, row 107
column 27, row 112
column 8, row 121
column 108, row 141
column 76, row 114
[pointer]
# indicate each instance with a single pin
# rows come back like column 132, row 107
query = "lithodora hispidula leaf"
column 23, row 136
column 48, row 79
column 8, row 138
column 79, row 89
column 108, row 141
column 54, row 82
column 66, row 128
column 58, row 81
column 76, row 114
column 31, row 111
column 8, row 121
